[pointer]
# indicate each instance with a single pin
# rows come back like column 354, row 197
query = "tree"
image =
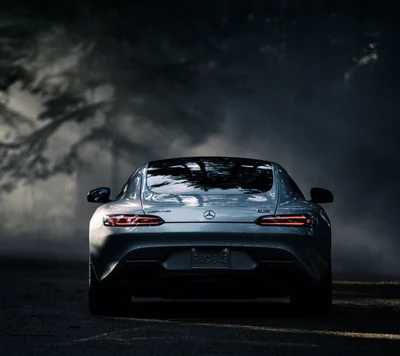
column 162, row 64
column 152, row 71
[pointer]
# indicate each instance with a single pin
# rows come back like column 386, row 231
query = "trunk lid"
column 209, row 207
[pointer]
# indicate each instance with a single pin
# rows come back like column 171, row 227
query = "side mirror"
column 99, row 195
column 320, row 196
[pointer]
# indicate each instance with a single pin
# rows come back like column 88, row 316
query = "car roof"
column 166, row 160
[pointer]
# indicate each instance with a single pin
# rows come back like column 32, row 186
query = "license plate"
column 210, row 259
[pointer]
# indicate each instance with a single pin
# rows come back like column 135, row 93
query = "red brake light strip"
column 286, row 220
column 132, row 220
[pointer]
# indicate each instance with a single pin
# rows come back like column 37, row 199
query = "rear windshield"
column 212, row 175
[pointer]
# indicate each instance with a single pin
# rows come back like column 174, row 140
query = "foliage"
column 162, row 62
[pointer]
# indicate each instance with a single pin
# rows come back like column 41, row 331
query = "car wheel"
column 106, row 301
column 312, row 298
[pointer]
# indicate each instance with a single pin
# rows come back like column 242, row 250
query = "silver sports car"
column 207, row 228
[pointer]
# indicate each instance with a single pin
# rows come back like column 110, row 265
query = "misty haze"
column 88, row 93
column 92, row 89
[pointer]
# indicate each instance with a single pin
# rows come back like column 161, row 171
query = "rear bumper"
column 267, row 279
column 156, row 260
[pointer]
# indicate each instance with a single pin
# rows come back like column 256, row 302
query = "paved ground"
column 43, row 311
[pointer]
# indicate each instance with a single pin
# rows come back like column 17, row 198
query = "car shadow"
column 365, row 307
column 364, row 320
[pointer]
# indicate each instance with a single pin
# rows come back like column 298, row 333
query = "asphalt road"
column 43, row 311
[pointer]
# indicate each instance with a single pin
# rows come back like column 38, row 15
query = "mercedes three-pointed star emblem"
column 209, row 214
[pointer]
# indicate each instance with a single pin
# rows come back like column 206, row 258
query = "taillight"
column 132, row 220
column 287, row 220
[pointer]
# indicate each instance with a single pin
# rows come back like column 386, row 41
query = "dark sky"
column 313, row 85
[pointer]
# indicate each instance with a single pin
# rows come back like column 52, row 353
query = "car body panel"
column 191, row 208
column 185, row 229
column 112, row 245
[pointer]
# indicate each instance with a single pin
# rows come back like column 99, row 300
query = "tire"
column 314, row 299
column 106, row 301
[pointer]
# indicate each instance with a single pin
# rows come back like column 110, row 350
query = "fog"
column 316, row 115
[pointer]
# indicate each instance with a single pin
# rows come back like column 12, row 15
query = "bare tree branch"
column 46, row 131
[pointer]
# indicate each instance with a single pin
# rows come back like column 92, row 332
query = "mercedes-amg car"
column 209, row 228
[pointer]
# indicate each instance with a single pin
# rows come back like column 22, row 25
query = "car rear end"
column 208, row 228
